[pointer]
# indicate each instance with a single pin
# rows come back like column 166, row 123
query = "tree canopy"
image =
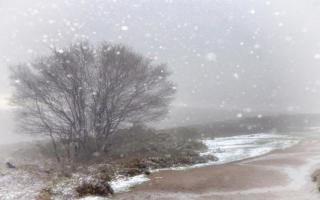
column 84, row 93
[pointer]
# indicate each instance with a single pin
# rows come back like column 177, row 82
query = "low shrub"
column 95, row 188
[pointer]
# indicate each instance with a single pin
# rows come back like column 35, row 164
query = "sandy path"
column 283, row 175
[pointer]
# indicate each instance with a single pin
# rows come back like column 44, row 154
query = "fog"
column 228, row 58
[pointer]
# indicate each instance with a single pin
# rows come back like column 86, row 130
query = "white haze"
column 225, row 55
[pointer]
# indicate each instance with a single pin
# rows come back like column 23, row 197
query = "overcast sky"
column 224, row 54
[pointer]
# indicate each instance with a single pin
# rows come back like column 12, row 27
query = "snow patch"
column 229, row 149
column 123, row 184
column 94, row 198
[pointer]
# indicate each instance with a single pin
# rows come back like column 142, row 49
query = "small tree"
column 83, row 93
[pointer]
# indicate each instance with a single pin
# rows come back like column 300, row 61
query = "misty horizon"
column 236, row 58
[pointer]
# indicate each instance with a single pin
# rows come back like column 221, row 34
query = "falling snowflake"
column 60, row 51
column 316, row 56
column 51, row 21
column 252, row 12
column 124, row 28
column 288, row 38
column 236, row 76
column 239, row 115
column 256, row 46
column 30, row 51
column 212, row 57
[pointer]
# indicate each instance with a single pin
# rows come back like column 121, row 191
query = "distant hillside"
column 273, row 123
column 281, row 123
column 185, row 116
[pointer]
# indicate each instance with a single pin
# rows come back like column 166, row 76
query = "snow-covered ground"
column 15, row 185
column 19, row 185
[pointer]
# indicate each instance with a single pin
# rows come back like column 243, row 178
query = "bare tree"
column 83, row 93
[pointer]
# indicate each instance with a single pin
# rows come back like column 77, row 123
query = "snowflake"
column 252, row 12
column 236, row 76
column 124, row 28
column 51, row 21
column 239, row 115
column 256, row 46
column 317, row 56
column 60, row 51
column 212, row 57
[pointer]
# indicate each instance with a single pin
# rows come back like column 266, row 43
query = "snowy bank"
column 236, row 148
column 229, row 149
column 123, row 184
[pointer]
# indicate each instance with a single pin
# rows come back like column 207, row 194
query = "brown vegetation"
column 99, row 188
column 316, row 178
